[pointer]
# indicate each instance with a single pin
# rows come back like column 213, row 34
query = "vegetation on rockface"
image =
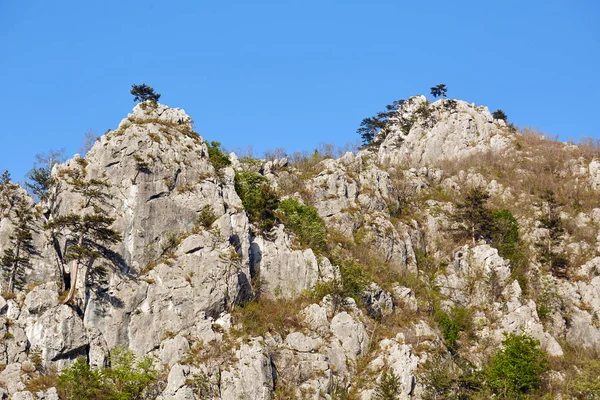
column 371, row 127
column 550, row 254
column 505, row 238
column 505, row 234
column 143, row 92
column 216, row 156
column 16, row 258
column 513, row 372
column 270, row 315
column 88, row 231
column 516, row 369
column 304, row 222
column 258, row 198
column 499, row 114
column 40, row 180
column 473, row 217
column 126, row 379
column 452, row 324
column 8, row 195
column 449, row 378
column 353, row 281
column 586, row 382
column 388, row 387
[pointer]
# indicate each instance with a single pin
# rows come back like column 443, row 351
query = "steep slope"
column 233, row 310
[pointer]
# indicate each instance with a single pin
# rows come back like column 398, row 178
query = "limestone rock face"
column 480, row 265
column 181, row 283
column 594, row 170
column 441, row 134
column 59, row 332
column 251, row 377
column 284, row 271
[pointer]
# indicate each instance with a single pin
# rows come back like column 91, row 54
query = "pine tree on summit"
column 143, row 92
column 371, row 127
column 439, row 91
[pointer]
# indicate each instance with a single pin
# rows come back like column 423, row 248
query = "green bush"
column 304, row 222
column 452, row 324
column 450, row 378
column 517, row 368
column 258, row 198
column 355, row 279
column 505, row 234
column 499, row 114
column 126, row 379
column 216, row 157
column 587, row 380
column 206, row 217
column 389, row 386
column 80, row 382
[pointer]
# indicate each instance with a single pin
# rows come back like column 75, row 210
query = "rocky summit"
column 453, row 256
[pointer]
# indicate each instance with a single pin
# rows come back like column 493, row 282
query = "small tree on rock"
column 13, row 205
column 88, row 230
column 40, row 180
column 549, row 249
column 372, row 126
column 516, row 370
column 499, row 114
column 473, row 216
column 439, row 91
column 143, row 92
column 389, row 386
column 17, row 257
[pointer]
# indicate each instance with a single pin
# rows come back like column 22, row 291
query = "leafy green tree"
column 129, row 378
column 126, row 379
column 371, row 127
column 473, row 216
column 258, row 198
column 439, row 91
column 516, row 369
column 217, row 158
column 355, row 279
column 452, row 324
column 143, row 92
column 304, row 222
column 88, row 231
column 80, row 382
column 389, row 386
column 499, row 114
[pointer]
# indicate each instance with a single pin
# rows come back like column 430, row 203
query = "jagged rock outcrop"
column 176, row 284
column 438, row 132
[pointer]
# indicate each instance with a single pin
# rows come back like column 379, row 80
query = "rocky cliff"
column 365, row 271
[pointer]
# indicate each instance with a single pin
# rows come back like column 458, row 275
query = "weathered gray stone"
column 173, row 350
column 445, row 135
column 251, row 377
column 59, row 332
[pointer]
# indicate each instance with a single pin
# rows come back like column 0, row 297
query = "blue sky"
column 288, row 74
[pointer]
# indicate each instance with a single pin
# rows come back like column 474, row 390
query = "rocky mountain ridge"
column 233, row 310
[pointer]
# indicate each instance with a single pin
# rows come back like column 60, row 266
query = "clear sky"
column 289, row 74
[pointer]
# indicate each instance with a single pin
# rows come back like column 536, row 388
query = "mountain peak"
column 424, row 133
